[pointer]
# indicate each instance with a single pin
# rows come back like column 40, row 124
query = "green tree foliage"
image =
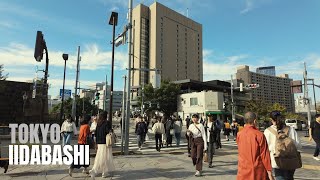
column 163, row 99
column 80, row 103
column 259, row 107
column 277, row 107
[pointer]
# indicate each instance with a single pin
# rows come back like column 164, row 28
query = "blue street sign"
column 67, row 93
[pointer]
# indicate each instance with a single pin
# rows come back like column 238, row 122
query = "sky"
column 235, row 32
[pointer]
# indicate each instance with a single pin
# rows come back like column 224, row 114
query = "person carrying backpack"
column 283, row 143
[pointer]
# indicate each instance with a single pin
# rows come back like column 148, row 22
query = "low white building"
column 201, row 103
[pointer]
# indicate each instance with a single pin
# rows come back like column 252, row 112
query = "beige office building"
column 272, row 89
column 165, row 40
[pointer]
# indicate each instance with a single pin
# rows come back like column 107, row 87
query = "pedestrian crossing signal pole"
column 306, row 96
column 232, row 102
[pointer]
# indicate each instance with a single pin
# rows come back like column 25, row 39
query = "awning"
column 217, row 112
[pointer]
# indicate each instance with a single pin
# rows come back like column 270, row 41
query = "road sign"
column 67, row 93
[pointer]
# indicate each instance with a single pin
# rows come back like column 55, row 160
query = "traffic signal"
column 39, row 47
column 252, row 86
column 97, row 96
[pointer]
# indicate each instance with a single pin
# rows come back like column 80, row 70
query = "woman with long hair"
column 104, row 160
column 278, row 126
column 82, row 140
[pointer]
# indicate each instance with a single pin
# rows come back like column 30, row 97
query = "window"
column 193, row 101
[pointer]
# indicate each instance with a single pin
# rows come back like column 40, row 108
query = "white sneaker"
column 316, row 158
column 198, row 173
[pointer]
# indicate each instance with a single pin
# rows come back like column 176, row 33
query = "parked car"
column 304, row 125
column 296, row 124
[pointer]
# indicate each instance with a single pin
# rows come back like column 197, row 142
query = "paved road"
column 170, row 163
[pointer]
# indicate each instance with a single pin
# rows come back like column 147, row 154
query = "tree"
column 2, row 77
column 277, row 107
column 163, row 99
column 259, row 107
column 81, row 104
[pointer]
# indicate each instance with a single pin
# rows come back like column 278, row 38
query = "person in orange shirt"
column 84, row 132
column 254, row 161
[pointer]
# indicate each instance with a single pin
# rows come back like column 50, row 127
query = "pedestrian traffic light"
column 39, row 47
column 97, row 96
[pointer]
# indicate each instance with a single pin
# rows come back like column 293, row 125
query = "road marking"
column 311, row 167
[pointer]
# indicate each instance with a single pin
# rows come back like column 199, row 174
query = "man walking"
column 188, row 122
column 140, row 131
column 254, row 157
column 211, row 137
column 314, row 133
column 218, row 126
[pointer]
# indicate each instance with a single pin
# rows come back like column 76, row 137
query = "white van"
column 296, row 124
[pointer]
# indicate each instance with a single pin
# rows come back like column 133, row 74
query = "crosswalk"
column 149, row 145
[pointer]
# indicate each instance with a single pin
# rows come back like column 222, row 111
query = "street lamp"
column 112, row 21
column 65, row 58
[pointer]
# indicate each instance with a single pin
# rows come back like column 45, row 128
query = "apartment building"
column 272, row 89
column 168, row 41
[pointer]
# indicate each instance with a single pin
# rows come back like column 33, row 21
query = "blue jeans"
column 281, row 174
column 178, row 137
column 66, row 138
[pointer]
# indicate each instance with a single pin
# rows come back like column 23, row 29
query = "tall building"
column 272, row 89
column 268, row 70
column 165, row 40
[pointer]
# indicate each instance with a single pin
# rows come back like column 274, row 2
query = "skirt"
column 103, row 161
column 227, row 132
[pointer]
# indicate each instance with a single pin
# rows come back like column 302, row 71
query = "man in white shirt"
column 211, row 136
column 196, row 131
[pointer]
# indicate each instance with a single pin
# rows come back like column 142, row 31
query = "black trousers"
column 158, row 138
column 317, row 150
column 211, row 151
column 218, row 140
column 189, row 144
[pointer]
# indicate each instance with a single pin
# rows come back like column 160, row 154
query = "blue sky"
column 235, row 32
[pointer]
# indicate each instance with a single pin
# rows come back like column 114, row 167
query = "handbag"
column 205, row 157
column 171, row 131
column 110, row 139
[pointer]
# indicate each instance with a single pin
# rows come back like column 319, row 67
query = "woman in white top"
column 198, row 137
column 93, row 127
column 278, row 125
column 68, row 129
column 158, row 129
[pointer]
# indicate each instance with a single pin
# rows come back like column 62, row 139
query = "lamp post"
column 112, row 21
column 24, row 97
column 65, row 58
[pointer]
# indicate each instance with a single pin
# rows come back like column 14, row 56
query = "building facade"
column 268, row 70
column 201, row 103
column 272, row 89
column 165, row 40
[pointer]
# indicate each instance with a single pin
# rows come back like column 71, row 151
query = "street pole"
column 105, row 94
column 126, row 150
column 314, row 97
column 142, row 103
column 123, row 113
column 74, row 103
column 64, row 79
column 306, row 96
column 232, row 103
column 113, row 22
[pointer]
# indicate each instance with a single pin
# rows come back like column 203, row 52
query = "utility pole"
column 123, row 116
column 74, row 103
column 232, row 102
column 306, row 96
column 126, row 150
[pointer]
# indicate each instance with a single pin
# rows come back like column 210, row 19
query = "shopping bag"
column 205, row 157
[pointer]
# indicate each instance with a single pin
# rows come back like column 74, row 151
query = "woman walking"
column 197, row 134
column 271, row 133
column 158, row 129
column 234, row 127
column 104, row 160
column 83, row 134
column 68, row 129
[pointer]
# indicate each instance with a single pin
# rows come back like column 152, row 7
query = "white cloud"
column 92, row 57
column 248, row 7
column 253, row 4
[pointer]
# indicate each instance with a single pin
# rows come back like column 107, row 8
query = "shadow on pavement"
column 172, row 173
